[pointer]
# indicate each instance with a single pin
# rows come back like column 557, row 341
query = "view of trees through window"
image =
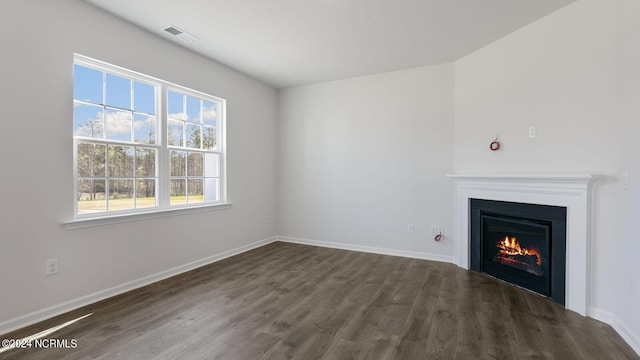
column 192, row 125
column 118, row 149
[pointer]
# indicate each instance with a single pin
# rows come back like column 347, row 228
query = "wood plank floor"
column 288, row 301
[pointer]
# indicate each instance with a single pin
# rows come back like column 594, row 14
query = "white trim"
column 529, row 177
column 82, row 223
column 572, row 191
column 52, row 311
column 618, row 325
column 368, row 249
column 604, row 316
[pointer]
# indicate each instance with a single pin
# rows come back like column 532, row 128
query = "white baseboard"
column 52, row 311
column 601, row 315
column 619, row 326
column 368, row 249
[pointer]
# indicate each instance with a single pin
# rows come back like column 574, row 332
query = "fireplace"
column 570, row 191
column 523, row 244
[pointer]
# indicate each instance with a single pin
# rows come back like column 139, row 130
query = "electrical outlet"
column 635, row 287
column 52, row 267
column 410, row 228
column 532, row 132
column 625, row 180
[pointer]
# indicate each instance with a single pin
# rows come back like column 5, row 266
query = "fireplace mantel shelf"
column 587, row 178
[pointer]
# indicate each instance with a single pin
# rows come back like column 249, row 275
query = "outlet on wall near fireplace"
column 625, row 179
column 52, row 267
column 635, row 287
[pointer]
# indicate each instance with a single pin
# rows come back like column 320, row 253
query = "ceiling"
column 295, row 42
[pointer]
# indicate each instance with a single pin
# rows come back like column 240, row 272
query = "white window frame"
column 163, row 207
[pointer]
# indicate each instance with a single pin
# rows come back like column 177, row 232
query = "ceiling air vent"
column 180, row 34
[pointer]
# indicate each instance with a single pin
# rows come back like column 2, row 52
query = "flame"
column 511, row 247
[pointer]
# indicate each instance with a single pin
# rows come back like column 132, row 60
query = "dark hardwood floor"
column 287, row 301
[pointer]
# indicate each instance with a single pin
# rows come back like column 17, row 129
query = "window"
column 134, row 154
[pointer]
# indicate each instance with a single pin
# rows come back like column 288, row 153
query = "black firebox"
column 524, row 244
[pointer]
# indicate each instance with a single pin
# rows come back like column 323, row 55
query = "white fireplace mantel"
column 572, row 191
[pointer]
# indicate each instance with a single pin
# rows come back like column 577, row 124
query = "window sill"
column 81, row 223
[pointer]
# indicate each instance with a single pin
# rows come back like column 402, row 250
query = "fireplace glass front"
column 523, row 244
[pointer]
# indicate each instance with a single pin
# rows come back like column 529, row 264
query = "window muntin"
column 118, row 151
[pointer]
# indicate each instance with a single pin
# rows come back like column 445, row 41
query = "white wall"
column 564, row 75
column 360, row 159
column 38, row 39
column 628, row 200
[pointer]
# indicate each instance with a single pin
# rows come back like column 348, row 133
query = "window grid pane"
column 178, row 192
column 91, row 160
column 88, row 120
column 175, row 133
column 91, row 196
column 144, row 128
column 121, row 194
column 146, row 193
column 144, row 98
column 118, row 92
column 194, row 136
